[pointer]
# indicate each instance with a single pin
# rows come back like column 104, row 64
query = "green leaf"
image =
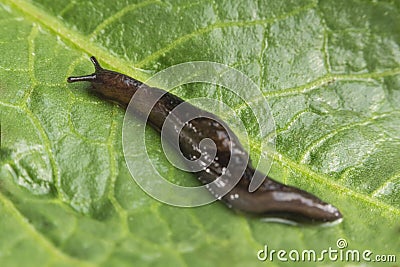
column 329, row 69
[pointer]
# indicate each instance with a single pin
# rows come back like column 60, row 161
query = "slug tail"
column 276, row 201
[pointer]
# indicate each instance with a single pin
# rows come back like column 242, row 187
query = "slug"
column 271, row 200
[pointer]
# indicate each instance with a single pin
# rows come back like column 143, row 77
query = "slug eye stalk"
column 87, row 78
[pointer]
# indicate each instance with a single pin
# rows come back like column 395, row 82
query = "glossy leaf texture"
column 330, row 71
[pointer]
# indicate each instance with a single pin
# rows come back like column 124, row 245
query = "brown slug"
column 271, row 200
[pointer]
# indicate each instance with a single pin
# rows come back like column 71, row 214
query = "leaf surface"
column 329, row 70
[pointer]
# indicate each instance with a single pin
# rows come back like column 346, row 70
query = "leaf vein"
column 120, row 14
column 218, row 25
column 32, row 231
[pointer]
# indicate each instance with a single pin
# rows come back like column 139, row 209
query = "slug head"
column 109, row 84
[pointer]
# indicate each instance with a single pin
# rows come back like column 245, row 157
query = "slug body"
column 271, row 199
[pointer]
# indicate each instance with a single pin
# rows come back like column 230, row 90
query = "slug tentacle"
column 271, row 199
column 86, row 78
column 96, row 63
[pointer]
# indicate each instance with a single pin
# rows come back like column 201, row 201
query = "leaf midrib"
column 83, row 43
